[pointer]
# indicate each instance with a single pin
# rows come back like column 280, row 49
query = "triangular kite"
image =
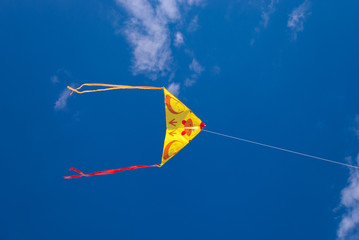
column 182, row 125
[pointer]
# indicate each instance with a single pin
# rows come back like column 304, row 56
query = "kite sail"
column 182, row 125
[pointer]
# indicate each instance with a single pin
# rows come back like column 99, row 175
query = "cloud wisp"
column 297, row 17
column 174, row 88
column 55, row 79
column 197, row 70
column 196, row 67
column 267, row 11
column 356, row 128
column 61, row 102
column 178, row 41
column 193, row 25
column 62, row 74
column 349, row 225
column 147, row 30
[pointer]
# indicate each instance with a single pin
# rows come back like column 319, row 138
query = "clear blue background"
column 299, row 94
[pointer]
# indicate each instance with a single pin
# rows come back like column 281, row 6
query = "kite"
column 182, row 125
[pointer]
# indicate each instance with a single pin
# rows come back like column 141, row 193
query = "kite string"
column 282, row 149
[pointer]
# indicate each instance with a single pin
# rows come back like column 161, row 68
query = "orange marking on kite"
column 172, row 133
column 187, row 123
column 168, row 104
column 173, row 122
column 167, row 148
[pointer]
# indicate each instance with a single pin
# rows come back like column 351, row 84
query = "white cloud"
column 174, row 88
column 196, row 67
column 267, row 7
column 171, row 77
column 169, row 8
column 356, row 129
column 193, row 25
column 189, row 82
column 55, row 79
column 252, row 42
column 178, row 39
column 147, row 30
column 194, row 2
column 297, row 17
column 349, row 225
column 216, row 70
column 62, row 74
column 267, row 11
column 62, row 100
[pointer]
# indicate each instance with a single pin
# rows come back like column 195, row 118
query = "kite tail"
column 108, row 87
column 106, row 171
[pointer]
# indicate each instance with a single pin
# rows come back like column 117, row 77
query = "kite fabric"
column 182, row 125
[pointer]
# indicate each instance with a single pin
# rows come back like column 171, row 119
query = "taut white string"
column 283, row 149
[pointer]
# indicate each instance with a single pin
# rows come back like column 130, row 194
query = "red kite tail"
column 106, row 171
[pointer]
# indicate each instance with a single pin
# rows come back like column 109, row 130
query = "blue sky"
column 283, row 73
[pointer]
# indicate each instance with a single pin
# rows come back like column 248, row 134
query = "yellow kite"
column 182, row 125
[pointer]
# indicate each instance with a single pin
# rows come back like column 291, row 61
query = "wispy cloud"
column 61, row 102
column 267, row 11
column 193, row 25
column 147, row 30
column 297, row 18
column 174, row 88
column 60, row 73
column 194, row 2
column 178, row 39
column 66, row 77
column 267, row 7
column 196, row 69
column 54, row 79
column 189, row 82
column 356, row 128
column 349, row 224
column 216, row 70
